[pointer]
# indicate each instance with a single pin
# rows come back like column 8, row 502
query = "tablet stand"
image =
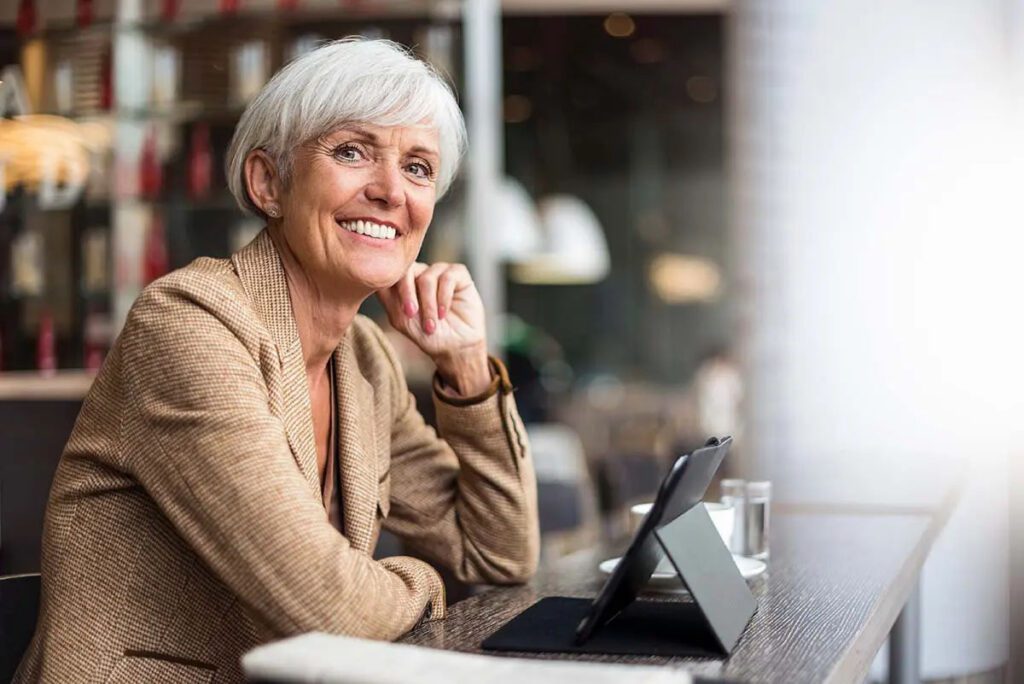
column 694, row 547
column 710, row 625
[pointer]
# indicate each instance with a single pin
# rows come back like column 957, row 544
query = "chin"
column 377, row 280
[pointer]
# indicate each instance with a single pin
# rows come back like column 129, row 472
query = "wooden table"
column 837, row 580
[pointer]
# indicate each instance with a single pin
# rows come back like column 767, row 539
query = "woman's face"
column 358, row 204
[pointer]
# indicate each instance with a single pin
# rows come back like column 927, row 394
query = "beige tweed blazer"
column 186, row 524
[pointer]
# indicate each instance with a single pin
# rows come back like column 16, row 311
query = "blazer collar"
column 263, row 279
column 259, row 268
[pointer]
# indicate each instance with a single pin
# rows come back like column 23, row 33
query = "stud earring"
column 273, row 211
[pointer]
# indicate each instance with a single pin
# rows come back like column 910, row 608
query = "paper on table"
column 333, row 659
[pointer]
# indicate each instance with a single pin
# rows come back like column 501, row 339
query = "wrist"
column 467, row 372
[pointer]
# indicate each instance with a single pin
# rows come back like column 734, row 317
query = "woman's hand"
column 438, row 307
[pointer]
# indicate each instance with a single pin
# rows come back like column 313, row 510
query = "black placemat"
column 660, row 628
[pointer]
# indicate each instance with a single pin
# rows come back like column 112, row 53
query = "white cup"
column 722, row 515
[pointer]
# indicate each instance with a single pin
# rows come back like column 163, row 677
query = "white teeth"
column 369, row 228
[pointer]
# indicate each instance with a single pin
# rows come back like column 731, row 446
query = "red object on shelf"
column 155, row 262
column 169, row 9
column 229, row 6
column 106, row 81
column 150, row 171
column 93, row 358
column 94, row 350
column 200, row 162
column 46, row 344
column 26, row 21
column 84, row 14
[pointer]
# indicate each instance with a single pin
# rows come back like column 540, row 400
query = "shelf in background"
column 187, row 22
column 68, row 385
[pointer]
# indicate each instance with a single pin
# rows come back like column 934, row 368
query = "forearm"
column 497, row 503
column 469, row 501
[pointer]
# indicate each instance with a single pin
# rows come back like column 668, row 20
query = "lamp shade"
column 516, row 226
column 575, row 250
column 519, row 225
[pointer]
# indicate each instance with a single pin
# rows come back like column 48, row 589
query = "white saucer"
column 665, row 578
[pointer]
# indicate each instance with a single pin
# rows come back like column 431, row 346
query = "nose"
column 385, row 188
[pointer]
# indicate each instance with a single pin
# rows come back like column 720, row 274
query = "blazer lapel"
column 298, row 415
column 356, row 438
column 259, row 268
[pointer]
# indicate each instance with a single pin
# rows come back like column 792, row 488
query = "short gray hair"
column 352, row 80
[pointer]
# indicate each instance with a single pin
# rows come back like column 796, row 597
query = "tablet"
column 682, row 489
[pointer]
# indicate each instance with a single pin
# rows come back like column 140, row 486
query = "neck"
column 322, row 317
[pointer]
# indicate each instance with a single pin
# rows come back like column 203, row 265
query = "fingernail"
column 410, row 309
column 429, row 326
column 441, row 312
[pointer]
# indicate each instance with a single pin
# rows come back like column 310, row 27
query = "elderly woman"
column 250, row 433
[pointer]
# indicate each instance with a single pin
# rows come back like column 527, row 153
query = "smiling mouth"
column 370, row 229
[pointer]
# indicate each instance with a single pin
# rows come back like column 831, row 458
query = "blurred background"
column 791, row 221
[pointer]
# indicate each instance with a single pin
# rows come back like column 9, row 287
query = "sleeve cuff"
column 499, row 381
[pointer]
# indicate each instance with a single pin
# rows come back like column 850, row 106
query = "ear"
column 263, row 182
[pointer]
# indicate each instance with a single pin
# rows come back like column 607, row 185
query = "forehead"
column 421, row 138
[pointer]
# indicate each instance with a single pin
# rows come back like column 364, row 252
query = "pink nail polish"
column 429, row 326
column 441, row 311
column 410, row 309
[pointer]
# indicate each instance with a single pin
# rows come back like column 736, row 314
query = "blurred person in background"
column 718, row 393
column 250, row 433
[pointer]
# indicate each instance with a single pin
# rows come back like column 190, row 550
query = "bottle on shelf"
column 150, row 171
column 169, row 9
column 26, row 21
column 96, row 340
column 84, row 13
column 154, row 255
column 46, row 344
column 107, row 80
column 200, row 162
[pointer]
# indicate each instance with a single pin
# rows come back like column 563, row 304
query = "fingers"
column 450, row 282
column 405, row 289
column 426, row 290
column 399, row 300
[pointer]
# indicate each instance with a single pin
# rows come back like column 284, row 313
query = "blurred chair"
column 19, row 607
column 628, row 479
column 566, row 498
column 33, row 436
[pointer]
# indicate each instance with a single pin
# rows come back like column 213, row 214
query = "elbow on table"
column 520, row 573
column 507, row 569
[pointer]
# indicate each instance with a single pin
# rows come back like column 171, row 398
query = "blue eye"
column 420, row 170
column 348, row 153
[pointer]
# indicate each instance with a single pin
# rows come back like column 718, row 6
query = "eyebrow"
column 372, row 137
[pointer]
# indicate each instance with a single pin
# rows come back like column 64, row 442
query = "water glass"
column 734, row 493
column 757, row 519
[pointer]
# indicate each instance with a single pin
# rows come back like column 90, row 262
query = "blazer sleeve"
column 202, row 441
column 466, row 499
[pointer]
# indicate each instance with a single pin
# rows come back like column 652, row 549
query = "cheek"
column 421, row 210
column 325, row 185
